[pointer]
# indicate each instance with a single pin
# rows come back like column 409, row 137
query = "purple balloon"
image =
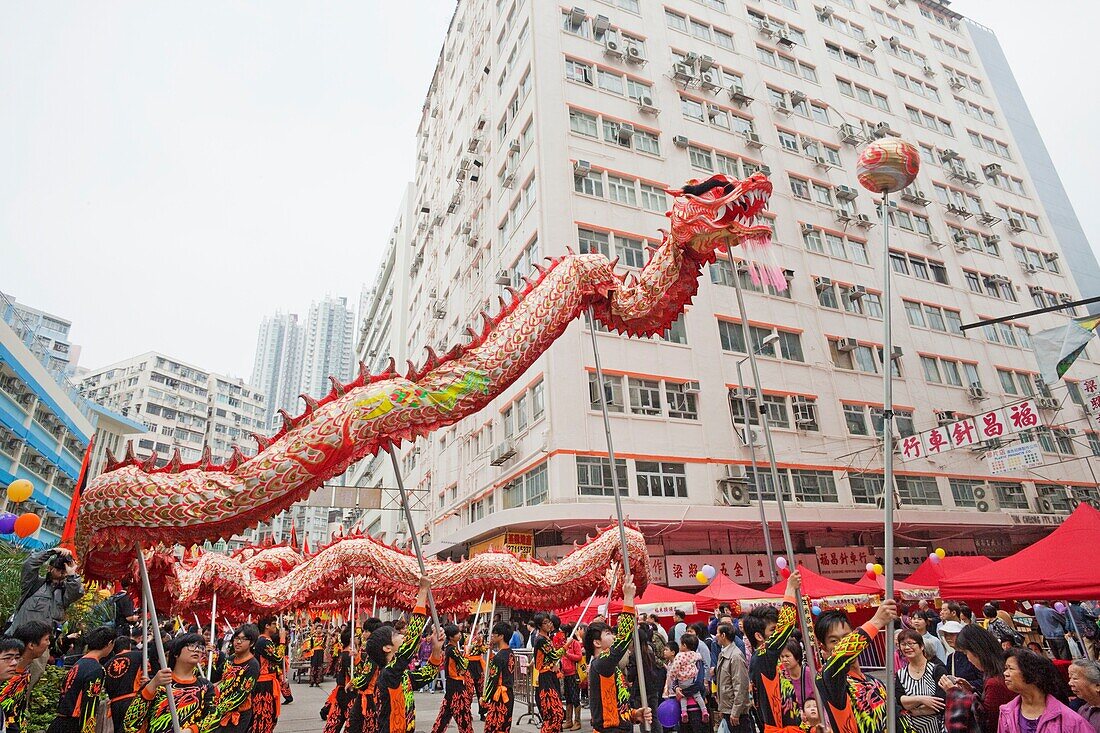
column 7, row 523
column 668, row 713
column 1060, row 607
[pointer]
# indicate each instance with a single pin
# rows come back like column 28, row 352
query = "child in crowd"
column 682, row 674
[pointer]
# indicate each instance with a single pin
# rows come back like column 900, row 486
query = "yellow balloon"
column 941, row 553
column 878, row 569
column 20, row 490
column 701, row 577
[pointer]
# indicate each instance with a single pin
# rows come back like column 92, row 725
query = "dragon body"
column 138, row 500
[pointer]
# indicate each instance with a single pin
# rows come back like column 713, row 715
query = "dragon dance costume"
column 79, row 700
column 475, row 660
column 499, row 678
column 149, row 713
column 313, row 648
column 608, row 695
column 266, row 703
column 458, row 692
column 15, row 700
column 547, row 655
column 233, row 711
column 393, row 689
column 362, row 715
column 123, row 678
column 854, row 702
column 772, row 690
column 340, row 699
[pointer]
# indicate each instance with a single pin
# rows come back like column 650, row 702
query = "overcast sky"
column 171, row 172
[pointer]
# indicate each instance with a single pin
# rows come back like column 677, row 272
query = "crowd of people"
column 746, row 673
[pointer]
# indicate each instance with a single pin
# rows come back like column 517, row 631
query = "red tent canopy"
column 818, row 586
column 933, row 573
column 724, row 590
column 908, row 591
column 658, row 597
column 1056, row 566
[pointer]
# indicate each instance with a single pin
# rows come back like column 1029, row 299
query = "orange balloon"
column 27, row 524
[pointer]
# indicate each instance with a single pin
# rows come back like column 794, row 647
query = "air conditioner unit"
column 825, row 13
column 691, row 59
column 894, row 41
column 893, row 3
column 750, row 437
column 680, row 141
column 992, row 239
column 914, row 196
column 846, row 193
column 738, row 96
column 975, row 392
column 509, row 179
column 503, row 278
column 501, row 453
column 960, row 238
column 987, row 219
column 765, row 28
column 1015, row 225
column 882, row 129
column 752, row 139
column 856, row 292
column 846, row 344
column 1030, row 268
column 577, row 16
column 797, row 97
column 992, row 169
column 712, row 82
column 634, row 54
column 601, row 25
column 683, row 73
column 438, row 309
column 1036, row 290
column 822, row 283
column 946, row 417
column 612, row 47
column 1046, row 505
column 514, row 146
column 948, row 155
column 850, row 134
column 805, row 413
column 822, row 162
column 782, row 108
column 863, row 221
column 645, row 104
column 581, row 168
column 734, row 472
column 1047, row 403
column 843, row 216
column 928, row 70
column 785, row 40
column 733, row 492
column 706, row 63
column 896, row 353
column 985, row 497
column 626, row 132
column 807, row 228
column 691, row 387
column 870, row 44
column 472, row 240
column 955, row 82
column 1050, row 256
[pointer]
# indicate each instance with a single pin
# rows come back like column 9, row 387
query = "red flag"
column 293, row 537
column 68, row 532
column 305, row 545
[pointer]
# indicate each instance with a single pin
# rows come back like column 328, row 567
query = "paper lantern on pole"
column 20, row 490
column 27, row 524
column 887, row 166
column 7, row 523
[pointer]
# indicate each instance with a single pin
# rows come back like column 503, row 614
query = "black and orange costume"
column 266, row 703
column 79, row 700
column 547, row 656
column 362, row 714
column 773, row 693
column 855, row 702
column 233, row 711
column 393, row 688
column 475, row 660
column 313, row 649
column 608, row 695
column 149, row 713
column 340, row 699
column 458, row 692
column 15, row 700
column 123, row 678
column 497, row 696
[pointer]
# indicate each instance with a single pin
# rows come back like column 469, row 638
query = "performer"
column 11, row 649
column 123, row 678
column 79, row 700
column 15, row 693
column 391, row 651
column 475, row 660
column 313, row 649
column 773, row 692
column 364, row 679
column 458, row 685
column 340, row 699
column 499, row 678
column 336, row 646
column 194, row 696
column 270, row 650
column 608, row 696
column 854, row 702
column 549, row 646
column 233, row 711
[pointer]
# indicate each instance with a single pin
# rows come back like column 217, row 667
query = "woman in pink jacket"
column 571, row 690
column 1037, row 709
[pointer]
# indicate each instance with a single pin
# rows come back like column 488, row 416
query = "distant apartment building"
column 46, row 335
column 549, row 126
column 327, row 345
column 277, row 367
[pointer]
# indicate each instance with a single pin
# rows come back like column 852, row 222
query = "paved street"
column 302, row 716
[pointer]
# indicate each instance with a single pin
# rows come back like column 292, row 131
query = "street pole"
column 354, row 619
column 755, row 474
column 627, row 577
column 213, row 635
column 414, row 536
column 780, row 500
column 888, row 452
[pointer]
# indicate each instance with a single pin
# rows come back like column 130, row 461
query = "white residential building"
column 277, row 367
column 579, row 118
column 327, row 345
column 45, row 334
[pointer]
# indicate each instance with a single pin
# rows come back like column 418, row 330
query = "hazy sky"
column 171, row 172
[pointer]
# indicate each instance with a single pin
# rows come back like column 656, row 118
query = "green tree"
column 11, row 568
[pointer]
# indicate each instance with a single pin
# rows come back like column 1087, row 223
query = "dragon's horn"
column 262, row 441
column 311, row 403
column 337, row 388
column 174, row 462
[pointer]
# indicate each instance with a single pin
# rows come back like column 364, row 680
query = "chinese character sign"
column 843, row 562
column 936, row 441
column 1023, row 416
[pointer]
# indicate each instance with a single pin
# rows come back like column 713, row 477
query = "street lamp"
column 761, row 413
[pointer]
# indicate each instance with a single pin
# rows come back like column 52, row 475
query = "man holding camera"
column 46, row 598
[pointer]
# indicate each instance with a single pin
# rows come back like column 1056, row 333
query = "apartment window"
column 645, row 396
column 918, row 490
column 612, row 389
column 691, row 109
column 700, row 158
column 676, row 333
column 817, row 487
column 636, row 89
column 590, row 184
column 506, row 420
column 676, row 21
column 594, row 476
column 631, row 251
column 536, row 485
column 855, row 418
column 611, row 82
column 647, row 142
column 521, row 413
column 866, row 487
column 653, row 198
column 537, row 400
column 963, row 491
column 800, row 188
column 762, row 480
column 661, row 480
column 681, row 403
column 723, row 39
column 621, row 190
column 593, row 242
column 578, row 72
column 1010, row 495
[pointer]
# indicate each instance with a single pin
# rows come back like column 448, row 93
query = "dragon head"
column 721, row 211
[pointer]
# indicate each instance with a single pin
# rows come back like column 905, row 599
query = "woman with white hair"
column 1084, row 680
